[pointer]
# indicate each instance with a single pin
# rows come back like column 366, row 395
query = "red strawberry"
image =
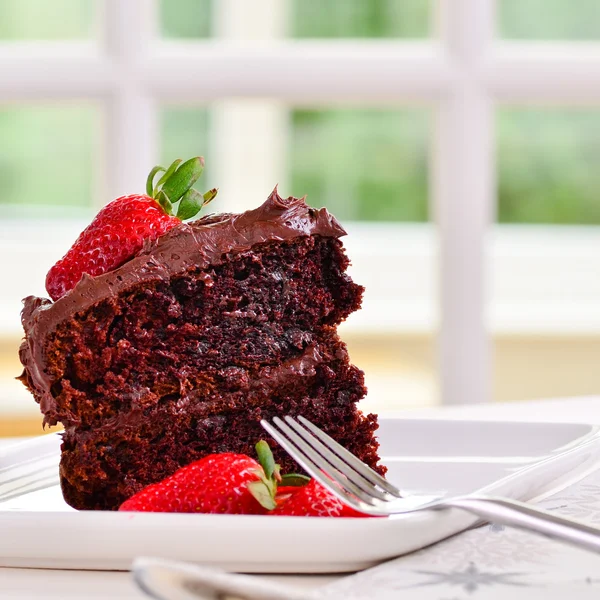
column 115, row 235
column 285, row 492
column 313, row 500
column 218, row 483
column 119, row 230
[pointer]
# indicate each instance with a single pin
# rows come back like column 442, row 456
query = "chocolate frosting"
column 199, row 244
column 267, row 379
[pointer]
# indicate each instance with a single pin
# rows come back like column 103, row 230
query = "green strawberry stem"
column 265, row 458
column 265, row 489
column 151, row 176
column 169, row 171
column 294, row 479
column 176, row 187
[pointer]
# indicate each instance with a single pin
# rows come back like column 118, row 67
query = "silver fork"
column 361, row 488
column 29, row 466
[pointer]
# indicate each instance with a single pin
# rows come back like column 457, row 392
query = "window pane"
column 46, row 19
column 303, row 19
column 47, row 157
column 544, row 279
column 365, row 165
column 549, row 19
column 360, row 18
column 548, row 166
column 185, row 133
column 186, row 18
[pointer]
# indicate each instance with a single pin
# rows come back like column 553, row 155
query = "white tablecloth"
column 483, row 564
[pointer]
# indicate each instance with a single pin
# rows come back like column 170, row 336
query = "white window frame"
column 462, row 74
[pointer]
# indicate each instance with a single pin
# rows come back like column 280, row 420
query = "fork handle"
column 522, row 516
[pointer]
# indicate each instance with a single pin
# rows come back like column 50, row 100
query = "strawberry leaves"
column 265, row 489
column 294, row 480
column 192, row 202
column 176, row 187
column 151, row 176
column 183, row 178
column 266, row 460
column 169, row 171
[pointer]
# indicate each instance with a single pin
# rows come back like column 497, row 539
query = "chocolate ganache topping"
column 198, row 244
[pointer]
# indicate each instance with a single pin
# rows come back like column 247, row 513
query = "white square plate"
column 524, row 461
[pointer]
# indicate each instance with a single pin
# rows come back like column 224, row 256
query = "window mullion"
column 463, row 199
column 563, row 73
column 131, row 129
column 305, row 72
column 248, row 136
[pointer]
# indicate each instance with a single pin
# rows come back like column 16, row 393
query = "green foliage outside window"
column 364, row 163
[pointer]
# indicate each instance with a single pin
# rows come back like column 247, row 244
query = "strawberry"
column 237, row 484
column 285, row 492
column 119, row 230
column 313, row 500
column 218, row 483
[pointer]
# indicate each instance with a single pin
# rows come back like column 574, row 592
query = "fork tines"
column 331, row 464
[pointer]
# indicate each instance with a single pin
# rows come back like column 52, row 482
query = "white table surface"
column 64, row 585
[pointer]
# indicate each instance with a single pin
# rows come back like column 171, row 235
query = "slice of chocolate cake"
column 183, row 349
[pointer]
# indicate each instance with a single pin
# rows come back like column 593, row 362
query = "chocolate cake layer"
column 184, row 337
column 211, row 240
column 181, row 351
column 104, row 465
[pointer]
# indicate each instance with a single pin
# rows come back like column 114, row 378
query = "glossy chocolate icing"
column 267, row 379
column 199, row 244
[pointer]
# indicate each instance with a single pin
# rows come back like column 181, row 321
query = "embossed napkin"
column 490, row 563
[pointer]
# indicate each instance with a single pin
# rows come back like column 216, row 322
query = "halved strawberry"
column 219, row 483
column 313, row 500
column 120, row 229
